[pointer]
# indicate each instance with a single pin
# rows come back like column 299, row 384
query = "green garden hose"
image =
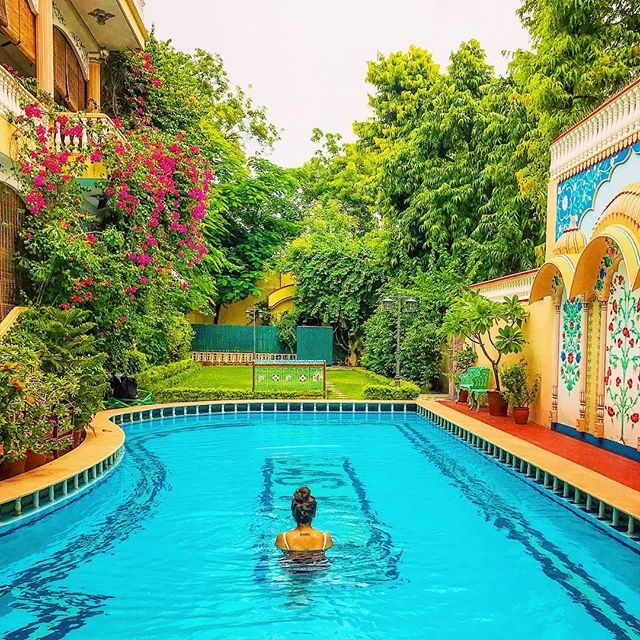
column 144, row 397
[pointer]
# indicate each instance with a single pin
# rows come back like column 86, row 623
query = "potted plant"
column 463, row 358
column 518, row 392
column 496, row 327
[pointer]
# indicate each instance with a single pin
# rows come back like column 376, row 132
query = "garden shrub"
column 179, row 337
column 406, row 391
column 163, row 375
column 66, row 349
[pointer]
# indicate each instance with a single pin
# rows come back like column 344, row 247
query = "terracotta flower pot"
column 8, row 468
column 497, row 404
column 463, row 396
column 78, row 437
column 521, row 415
column 35, row 460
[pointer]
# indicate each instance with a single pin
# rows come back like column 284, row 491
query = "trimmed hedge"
column 202, row 395
column 406, row 391
column 155, row 378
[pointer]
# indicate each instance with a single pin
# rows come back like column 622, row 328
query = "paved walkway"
column 611, row 465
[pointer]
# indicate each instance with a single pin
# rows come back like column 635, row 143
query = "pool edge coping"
column 546, row 467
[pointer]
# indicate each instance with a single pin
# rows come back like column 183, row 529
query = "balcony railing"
column 94, row 126
column 12, row 93
column 517, row 284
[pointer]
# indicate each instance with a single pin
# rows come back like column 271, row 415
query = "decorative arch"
column 617, row 228
column 596, row 261
column 546, row 283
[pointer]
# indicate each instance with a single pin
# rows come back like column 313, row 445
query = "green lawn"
column 350, row 382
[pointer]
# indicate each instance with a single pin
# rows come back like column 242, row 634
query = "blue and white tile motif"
column 576, row 194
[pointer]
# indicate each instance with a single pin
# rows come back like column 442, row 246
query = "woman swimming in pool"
column 304, row 541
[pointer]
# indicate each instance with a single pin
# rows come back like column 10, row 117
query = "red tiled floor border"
column 606, row 463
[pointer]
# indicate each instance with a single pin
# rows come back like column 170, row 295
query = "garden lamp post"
column 410, row 305
column 252, row 313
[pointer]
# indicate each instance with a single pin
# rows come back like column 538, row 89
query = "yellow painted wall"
column 234, row 313
column 7, row 145
column 538, row 352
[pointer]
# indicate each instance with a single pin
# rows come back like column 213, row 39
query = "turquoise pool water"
column 432, row 540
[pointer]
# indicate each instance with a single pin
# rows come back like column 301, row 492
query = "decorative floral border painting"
column 622, row 376
column 570, row 344
column 576, row 194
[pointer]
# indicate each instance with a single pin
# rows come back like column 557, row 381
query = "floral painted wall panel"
column 569, row 364
column 622, row 375
column 576, row 195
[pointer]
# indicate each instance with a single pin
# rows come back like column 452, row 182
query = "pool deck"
column 606, row 476
column 606, row 463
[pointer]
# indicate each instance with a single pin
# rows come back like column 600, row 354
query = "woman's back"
column 304, row 539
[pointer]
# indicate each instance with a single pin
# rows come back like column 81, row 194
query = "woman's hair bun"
column 302, row 494
column 303, row 505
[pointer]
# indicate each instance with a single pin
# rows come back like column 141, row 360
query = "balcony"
column 12, row 94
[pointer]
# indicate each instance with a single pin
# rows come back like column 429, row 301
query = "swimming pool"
column 432, row 539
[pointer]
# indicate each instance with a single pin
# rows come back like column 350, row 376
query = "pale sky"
column 306, row 61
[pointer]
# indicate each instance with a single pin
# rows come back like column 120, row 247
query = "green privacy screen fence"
column 295, row 376
column 313, row 343
column 236, row 338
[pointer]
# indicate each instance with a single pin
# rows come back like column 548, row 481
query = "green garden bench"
column 475, row 380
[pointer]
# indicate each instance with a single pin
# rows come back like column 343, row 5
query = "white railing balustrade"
column 609, row 125
column 94, row 128
column 12, row 93
column 517, row 284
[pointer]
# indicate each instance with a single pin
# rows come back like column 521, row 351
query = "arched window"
column 11, row 217
column 69, row 83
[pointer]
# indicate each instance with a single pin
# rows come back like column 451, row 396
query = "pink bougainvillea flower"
column 33, row 111
column 96, row 156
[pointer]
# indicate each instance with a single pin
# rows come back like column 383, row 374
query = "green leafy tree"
column 582, row 52
column 338, row 272
column 421, row 339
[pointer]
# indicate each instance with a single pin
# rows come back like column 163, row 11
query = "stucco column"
column 584, row 352
column 44, row 46
column 602, row 364
column 93, row 94
column 553, row 414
